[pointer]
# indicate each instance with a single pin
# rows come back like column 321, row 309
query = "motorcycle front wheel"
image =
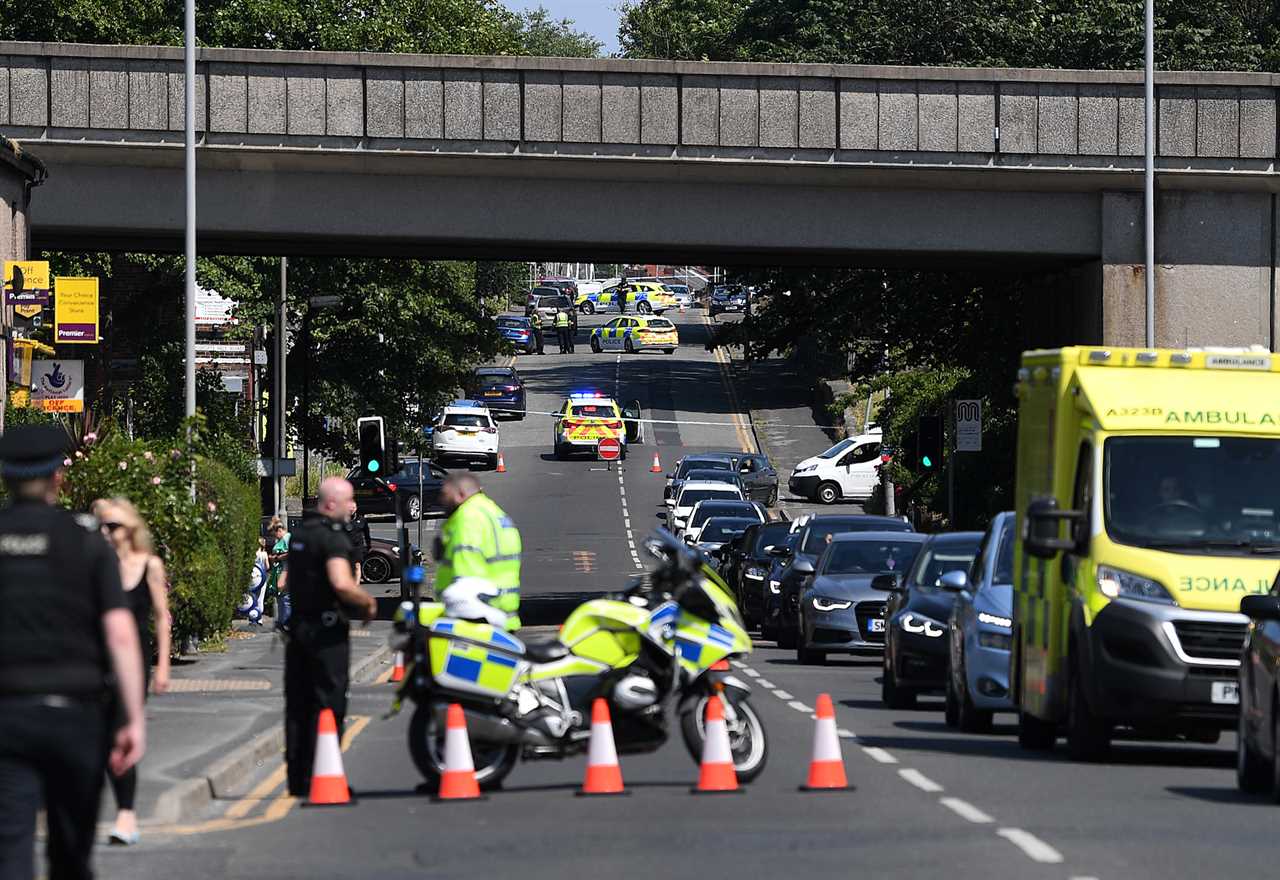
column 747, row 739
column 493, row 761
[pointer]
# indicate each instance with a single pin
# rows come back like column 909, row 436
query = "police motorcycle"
column 659, row 648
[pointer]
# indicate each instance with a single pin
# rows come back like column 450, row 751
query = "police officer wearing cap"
column 69, row 650
column 322, row 583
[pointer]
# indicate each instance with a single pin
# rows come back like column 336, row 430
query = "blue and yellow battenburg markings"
column 478, row 655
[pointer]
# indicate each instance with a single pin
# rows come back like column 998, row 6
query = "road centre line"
column 800, row 707
column 748, row 671
column 845, row 733
column 1035, row 848
column 919, row 780
column 966, row 810
column 765, row 683
column 879, row 755
column 783, row 695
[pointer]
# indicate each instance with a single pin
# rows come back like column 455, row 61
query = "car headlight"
column 998, row 640
column 1114, row 583
column 755, row 573
column 995, row 620
column 775, row 587
column 822, row 604
column 805, row 469
column 921, row 625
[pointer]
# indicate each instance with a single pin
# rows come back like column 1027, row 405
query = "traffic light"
column 373, row 445
column 930, row 443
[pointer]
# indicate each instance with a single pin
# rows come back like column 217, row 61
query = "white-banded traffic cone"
column 604, row 776
column 826, row 769
column 717, row 774
column 502, row 465
column 328, row 779
column 657, row 465
column 397, row 671
column 458, row 782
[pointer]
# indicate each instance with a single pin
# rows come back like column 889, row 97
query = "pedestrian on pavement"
column 276, row 580
column 322, row 587
column 536, row 320
column 66, row 635
column 146, row 591
column 478, row 556
column 562, row 330
column 358, row 531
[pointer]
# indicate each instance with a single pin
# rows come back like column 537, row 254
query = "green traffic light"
column 373, row 465
column 927, row 461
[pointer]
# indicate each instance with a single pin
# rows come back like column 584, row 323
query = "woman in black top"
column 146, row 593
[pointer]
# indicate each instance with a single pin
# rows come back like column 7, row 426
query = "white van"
column 850, row 469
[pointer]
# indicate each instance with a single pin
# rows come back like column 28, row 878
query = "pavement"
column 928, row 800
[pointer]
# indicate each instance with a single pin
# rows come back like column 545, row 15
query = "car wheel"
column 788, row 636
column 412, row 508
column 1035, row 734
column 773, row 497
column 828, row 493
column 1088, row 736
column 1253, row 773
column 627, row 346
column 644, row 308
column 893, row 695
column 669, row 350
column 588, row 308
column 376, row 569
column 969, row 717
column 951, row 713
column 492, row 462
column 595, row 345
column 1275, row 755
column 808, row 657
column 559, row 453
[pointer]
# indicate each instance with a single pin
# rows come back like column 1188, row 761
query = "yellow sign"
column 28, row 311
column 75, row 311
column 62, row 406
column 35, row 273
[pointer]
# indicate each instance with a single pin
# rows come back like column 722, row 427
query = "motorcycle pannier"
column 474, row 658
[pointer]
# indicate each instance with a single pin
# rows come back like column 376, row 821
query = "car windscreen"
column 710, row 476
column 466, row 420
column 771, row 534
column 870, row 557
column 593, row 411
column 820, row 532
column 512, row 323
column 702, row 464
column 722, row 508
column 724, row 529
column 690, row 497
column 554, row 302
column 1204, row 495
column 942, row 558
column 837, row 449
column 660, row 324
column 495, row 376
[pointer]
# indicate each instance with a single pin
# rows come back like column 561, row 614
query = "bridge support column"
column 1215, row 269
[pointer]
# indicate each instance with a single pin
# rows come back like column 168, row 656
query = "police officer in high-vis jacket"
column 478, row 551
column 322, row 582
column 563, row 331
column 70, row 664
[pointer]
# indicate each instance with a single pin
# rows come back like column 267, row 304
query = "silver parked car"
column 981, row 630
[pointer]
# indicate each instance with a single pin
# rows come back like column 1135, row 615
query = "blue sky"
column 597, row 17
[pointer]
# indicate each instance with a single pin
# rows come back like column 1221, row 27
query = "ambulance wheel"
column 1088, row 736
column 828, row 493
column 595, row 345
column 493, row 761
column 587, row 308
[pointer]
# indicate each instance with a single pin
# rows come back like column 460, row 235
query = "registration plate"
column 493, row 394
column 875, row 625
column 1225, row 693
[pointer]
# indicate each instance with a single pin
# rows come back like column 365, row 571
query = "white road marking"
column 845, row 733
column 800, row 707
column 879, row 755
column 966, row 810
column 1035, row 848
column 737, row 664
column 748, row 671
column 765, row 683
column 783, row 695
column 919, row 780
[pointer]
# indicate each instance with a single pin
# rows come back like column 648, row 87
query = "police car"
column 584, row 419
column 465, row 431
column 642, row 297
column 634, row 334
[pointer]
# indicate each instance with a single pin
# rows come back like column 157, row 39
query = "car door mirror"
column 779, row 552
column 954, row 581
column 802, row 566
column 1261, row 607
column 886, row 583
column 1042, row 536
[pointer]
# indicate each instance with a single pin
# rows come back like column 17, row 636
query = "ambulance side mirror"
column 1041, row 535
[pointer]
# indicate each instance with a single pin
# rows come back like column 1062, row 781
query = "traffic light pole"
column 951, row 463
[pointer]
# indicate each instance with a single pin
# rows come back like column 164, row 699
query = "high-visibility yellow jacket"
column 562, row 319
column 480, row 540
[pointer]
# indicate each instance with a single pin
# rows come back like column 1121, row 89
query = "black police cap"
column 29, row 452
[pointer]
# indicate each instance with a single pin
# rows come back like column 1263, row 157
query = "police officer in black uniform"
column 68, row 646
column 358, row 532
column 317, row 660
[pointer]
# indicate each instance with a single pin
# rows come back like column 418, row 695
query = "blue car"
column 519, row 332
column 500, row 389
column 981, row 629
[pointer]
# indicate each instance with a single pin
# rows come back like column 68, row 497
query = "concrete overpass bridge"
column 304, row 152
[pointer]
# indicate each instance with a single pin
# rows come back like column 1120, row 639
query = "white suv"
column 466, row 431
column 691, row 494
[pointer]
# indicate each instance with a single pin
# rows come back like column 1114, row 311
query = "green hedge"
column 207, row 543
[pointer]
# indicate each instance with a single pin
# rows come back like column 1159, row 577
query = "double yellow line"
column 236, row 816
column 746, row 437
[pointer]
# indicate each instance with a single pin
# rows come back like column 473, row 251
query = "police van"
column 850, row 469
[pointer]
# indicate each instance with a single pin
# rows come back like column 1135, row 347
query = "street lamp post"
column 1149, row 177
column 189, row 117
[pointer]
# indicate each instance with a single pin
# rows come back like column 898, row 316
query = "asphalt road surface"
column 928, row 801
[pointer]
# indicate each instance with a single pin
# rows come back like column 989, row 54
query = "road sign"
column 609, row 449
column 968, row 426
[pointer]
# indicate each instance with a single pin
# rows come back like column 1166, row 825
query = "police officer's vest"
column 51, row 638
column 479, row 540
column 536, row 320
column 311, row 545
column 562, row 319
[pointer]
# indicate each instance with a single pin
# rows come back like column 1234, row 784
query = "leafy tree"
column 539, row 34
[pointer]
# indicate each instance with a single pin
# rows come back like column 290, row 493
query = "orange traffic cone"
column 502, row 465
column 397, row 671
column 604, row 776
column 826, row 770
column 328, row 779
column 717, row 775
column 459, row 779
column 657, row 465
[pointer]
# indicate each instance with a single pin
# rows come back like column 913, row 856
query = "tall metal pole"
column 189, row 117
column 278, row 386
column 1149, row 182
